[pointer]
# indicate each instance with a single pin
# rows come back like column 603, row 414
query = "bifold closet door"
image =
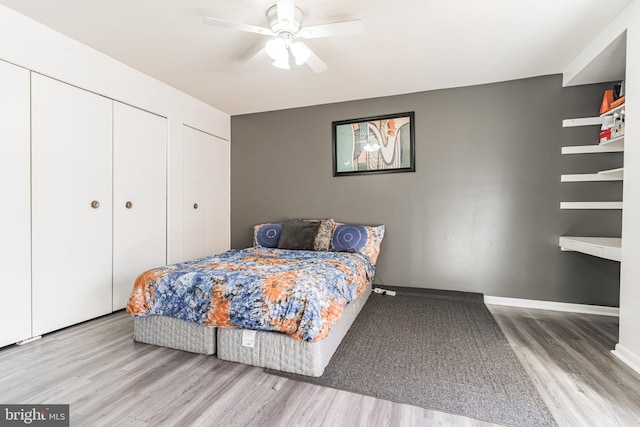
column 15, row 215
column 139, row 197
column 206, row 202
column 71, row 204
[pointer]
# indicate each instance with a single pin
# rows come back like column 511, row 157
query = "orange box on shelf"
column 607, row 99
column 618, row 102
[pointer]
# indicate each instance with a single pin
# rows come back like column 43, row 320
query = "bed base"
column 271, row 350
column 175, row 333
column 277, row 351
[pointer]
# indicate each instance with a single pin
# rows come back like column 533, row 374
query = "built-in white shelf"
column 590, row 205
column 591, row 121
column 587, row 121
column 603, row 247
column 613, row 146
column 590, row 177
column 614, row 142
column 611, row 112
column 615, row 174
column 606, row 175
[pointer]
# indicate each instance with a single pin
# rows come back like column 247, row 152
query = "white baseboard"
column 555, row 306
column 632, row 360
column 28, row 340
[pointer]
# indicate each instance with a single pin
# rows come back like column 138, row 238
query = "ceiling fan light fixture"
column 300, row 52
column 277, row 49
column 282, row 63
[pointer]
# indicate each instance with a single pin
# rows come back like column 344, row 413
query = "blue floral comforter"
column 299, row 293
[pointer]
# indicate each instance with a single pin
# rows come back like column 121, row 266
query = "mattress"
column 278, row 351
column 175, row 333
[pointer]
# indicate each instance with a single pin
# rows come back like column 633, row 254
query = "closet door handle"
column 128, row 205
column 195, row 206
column 95, row 204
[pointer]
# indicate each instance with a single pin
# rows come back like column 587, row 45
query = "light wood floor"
column 568, row 357
column 111, row 381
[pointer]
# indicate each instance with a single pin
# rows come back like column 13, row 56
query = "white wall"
column 628, row 347
column 27, row 43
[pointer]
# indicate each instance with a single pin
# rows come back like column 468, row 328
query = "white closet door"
column 219, row 190
column 15, row 215
column 206, row 194
column 139, row 197
column 71, row 204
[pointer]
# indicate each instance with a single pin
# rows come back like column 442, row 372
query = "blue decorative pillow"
column 349, row 238
column 267, row 235
column 362, row 239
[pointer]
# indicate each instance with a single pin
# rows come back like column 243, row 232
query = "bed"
column 276, row 308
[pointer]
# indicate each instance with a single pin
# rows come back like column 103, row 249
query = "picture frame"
column 373, row 145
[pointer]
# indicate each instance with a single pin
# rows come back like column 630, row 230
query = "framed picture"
column 377, row 144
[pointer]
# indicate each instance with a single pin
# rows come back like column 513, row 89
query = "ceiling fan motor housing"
column 284, row 26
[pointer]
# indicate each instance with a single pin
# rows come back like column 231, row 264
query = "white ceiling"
column 407, row 46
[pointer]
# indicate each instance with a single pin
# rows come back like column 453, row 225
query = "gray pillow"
column 298, row 235
column 325, row 232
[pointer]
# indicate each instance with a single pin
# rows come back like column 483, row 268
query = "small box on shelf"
column 612, row 124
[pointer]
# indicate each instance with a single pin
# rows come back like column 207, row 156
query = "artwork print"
column 374, row 145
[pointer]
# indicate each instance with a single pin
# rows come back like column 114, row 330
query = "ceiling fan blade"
column 286, row 11
column 343, row 28
column 315, row 63
column 221, row 23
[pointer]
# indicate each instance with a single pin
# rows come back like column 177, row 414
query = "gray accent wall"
column 481, row 213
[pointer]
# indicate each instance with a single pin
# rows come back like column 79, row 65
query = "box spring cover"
column 278, row 351
column 175, row 333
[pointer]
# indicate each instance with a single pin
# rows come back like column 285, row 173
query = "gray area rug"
column 436, row 349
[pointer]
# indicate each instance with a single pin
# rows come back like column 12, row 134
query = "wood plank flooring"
column 568, row 356
column 111, row 381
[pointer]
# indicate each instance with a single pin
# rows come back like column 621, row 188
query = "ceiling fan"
column 285, row 28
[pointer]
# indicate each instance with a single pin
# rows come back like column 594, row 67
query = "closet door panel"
column 219, row 190
column 15, row 215
column 140, row 202
column 195, row 198
column 206, row 171
column 71, row 204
